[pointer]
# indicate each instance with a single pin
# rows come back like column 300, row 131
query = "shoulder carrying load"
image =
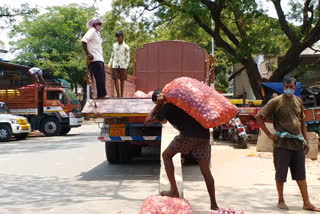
column 165, row 205
column 200, row 101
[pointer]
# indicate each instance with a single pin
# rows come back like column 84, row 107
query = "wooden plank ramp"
column 167, row 135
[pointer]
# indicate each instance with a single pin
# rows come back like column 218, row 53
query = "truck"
column 12, row 125
column 154, row 65
column 47, row 107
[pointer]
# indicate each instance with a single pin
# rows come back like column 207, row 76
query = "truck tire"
column 124, row 152
column 225, row 135
column 21, row 136
column 5, row 133
column 65, row 131
column 50, row 126
column 112, row 152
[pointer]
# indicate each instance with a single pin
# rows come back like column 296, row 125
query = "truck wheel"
column 51, row 126
column 21, row 136
column 225, row 135
column 216, row 132
column 5, row 133
column 112, row 152
column 65, row 131
column 124, row 152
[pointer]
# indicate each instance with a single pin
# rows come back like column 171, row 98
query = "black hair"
column 156, row 94
column 288, row 79
column 119, row 33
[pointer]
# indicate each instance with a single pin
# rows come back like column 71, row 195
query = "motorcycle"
column 237, row 133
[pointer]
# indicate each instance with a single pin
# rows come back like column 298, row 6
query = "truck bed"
column 118, row 107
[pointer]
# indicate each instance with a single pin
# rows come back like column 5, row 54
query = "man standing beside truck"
column 192, row 138
column 119, row 62
column 92, row 45
column 290, row 146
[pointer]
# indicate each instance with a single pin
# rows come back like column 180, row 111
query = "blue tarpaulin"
column 278, row 87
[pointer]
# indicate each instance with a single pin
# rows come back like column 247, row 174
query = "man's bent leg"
column 304, row 193
column 167, row 156
column 205, row 170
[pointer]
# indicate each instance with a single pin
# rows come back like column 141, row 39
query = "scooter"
column 237, row 133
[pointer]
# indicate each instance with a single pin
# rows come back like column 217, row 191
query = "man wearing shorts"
column 290, row 147
column 193, row 138
column 119, row 62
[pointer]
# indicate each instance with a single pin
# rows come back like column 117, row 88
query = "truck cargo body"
column 156, row 64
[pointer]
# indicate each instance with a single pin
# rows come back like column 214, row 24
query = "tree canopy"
column 240, row 28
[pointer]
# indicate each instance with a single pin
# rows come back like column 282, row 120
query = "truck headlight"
column 14, row 121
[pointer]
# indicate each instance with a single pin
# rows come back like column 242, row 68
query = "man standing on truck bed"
column 36, row 74
column 192, row 138
column 92, row 45
column 119, row 62
column 290, row 146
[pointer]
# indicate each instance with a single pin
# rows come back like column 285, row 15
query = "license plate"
column 117, row 131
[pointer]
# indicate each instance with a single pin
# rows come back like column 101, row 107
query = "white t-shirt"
column 36, row 71
column 94, row 44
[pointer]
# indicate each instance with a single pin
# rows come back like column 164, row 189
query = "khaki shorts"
column 119, row 73
column 199, row 147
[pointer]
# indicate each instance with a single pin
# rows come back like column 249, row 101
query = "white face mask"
column 99, row 28
column 289, row 92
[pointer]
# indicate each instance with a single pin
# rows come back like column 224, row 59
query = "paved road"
column 71, row 175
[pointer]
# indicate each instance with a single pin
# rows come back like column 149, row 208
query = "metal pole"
column 88, row 92
column 212, row 51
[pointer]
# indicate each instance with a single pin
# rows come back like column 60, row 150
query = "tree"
column 8, row 15
column 141, row 31
column 52, row 41
column 241, row 28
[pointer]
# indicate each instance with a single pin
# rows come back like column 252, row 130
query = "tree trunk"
column 253, row 75
column 287, row 64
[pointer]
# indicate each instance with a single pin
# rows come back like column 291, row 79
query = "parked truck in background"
column 156, row 64
column 12, row 125
column 47, row 107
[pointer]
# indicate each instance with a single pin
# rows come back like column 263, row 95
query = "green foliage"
column 8, row 15
column 52, row 41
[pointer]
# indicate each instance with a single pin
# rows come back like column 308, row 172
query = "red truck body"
column 47, row 108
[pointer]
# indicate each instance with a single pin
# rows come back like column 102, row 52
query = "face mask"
column 99, row 27
column 289, row 92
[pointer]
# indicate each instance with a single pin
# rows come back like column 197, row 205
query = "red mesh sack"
column 200, row 101
column 165, row 205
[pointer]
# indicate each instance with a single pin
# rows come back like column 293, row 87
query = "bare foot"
column 282, row 205
column 170, row 194
column 311, row 207
column 215, row 207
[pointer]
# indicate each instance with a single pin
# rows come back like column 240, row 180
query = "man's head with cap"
column 95, row 22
